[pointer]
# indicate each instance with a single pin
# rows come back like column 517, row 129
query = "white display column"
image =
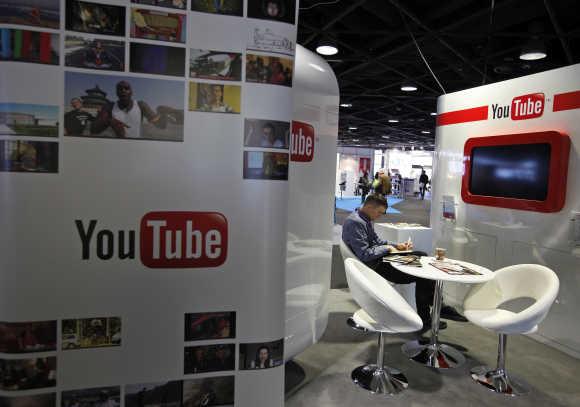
column 144, row 151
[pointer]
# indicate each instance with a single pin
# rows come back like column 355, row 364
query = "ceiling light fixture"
column 433, row 114
column 385, row 136
column 355, row 139
column 533, row 50
column 425, row 132
column 393, row 120
column 346, row 105
column 408, row 87
column 352, row 128
column 326, row 47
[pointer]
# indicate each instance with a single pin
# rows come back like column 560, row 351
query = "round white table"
column 435, row 354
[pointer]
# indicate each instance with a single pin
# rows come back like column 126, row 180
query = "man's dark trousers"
column 423, row 291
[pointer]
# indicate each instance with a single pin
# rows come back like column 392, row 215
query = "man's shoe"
column 427, row 326
column 448, row 312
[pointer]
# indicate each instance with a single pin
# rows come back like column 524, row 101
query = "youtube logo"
column 167, row 240
column 302, row 148
column 527, row 106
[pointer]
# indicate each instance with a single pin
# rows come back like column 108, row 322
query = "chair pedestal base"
column 498, row 381
column 377, row 380
column 435, row 355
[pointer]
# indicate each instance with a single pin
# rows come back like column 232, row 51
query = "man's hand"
column 405, row 246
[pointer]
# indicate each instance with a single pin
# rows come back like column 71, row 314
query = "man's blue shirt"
column 359, row 235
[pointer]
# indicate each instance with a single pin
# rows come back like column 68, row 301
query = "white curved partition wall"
column 311, row 202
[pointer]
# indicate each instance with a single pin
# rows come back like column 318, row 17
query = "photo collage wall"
column 112, row 54
column 129, row 72
column 217, row 330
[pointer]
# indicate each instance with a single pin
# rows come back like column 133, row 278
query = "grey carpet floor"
column 553, row 376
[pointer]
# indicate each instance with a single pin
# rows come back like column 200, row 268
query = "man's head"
column 124, row 91
column 374, row 206
column 272, row 8
column 268, row 131
column 217, row 93
column 76, row 103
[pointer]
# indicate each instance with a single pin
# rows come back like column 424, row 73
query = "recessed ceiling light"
column 346, row 105
column 382, row 144
column 533, row 50
column 408, row 87
column 421, row 147
column 385, row 136
column 433, row 114
column 355, row 139
column 326, row 48
column 425, row 132
column 393, row 121
column 352, row 128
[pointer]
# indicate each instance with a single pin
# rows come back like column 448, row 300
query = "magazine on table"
column 405, row 259
column 454, row 268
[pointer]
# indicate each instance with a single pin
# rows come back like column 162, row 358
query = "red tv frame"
column 557, row 178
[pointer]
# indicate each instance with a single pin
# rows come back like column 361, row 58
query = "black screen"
column 515, row 171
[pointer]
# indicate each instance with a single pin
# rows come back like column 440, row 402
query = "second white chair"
column 383, row 311
column 482, row 308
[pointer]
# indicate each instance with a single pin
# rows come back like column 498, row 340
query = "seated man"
column 360, row 237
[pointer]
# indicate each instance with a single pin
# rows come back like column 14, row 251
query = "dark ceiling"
column 467, row 43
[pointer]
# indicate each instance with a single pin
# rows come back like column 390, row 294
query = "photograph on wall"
column 29, row 46
column 276, row 10
column 180, row 4
column 261, row 355
column 27, row 374
column 214, row 97
column 91, row 333
column 265, row 165
column 266, row 40
column 27, row 337
column 94, row 53
column 268, row 69
column 209, row 358
column 210, row 64
column 157, row 59
column 163, row 394
column 227, row 7
column 23, row 119
column 103, row 396
column 210, row 391
column 28, row 156
column 266, row 133
column 39, row 400
column 95, row 18
column 210, row 325
column 158, row 25
column 38, row 13
column 123, row 107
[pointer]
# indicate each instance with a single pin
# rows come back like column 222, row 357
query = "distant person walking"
column 423, row 181
column 364, row 186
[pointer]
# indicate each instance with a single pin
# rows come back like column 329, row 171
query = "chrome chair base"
column 385, row 380
column 499, row 382
column 438, row 355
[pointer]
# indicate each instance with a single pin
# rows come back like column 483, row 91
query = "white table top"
column 432, row 273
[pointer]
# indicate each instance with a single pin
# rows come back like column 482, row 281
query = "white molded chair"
column 481, row 308
column 383, row 310
column 407, row 291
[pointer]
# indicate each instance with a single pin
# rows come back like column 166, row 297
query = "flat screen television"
column 518, row 171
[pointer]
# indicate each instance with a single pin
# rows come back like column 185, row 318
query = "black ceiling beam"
column 435, row 35
column 336, row 19
column 558, row 30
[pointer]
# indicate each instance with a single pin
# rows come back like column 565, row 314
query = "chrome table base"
column 377, row 380
column 435, row 355
column 498, row 381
